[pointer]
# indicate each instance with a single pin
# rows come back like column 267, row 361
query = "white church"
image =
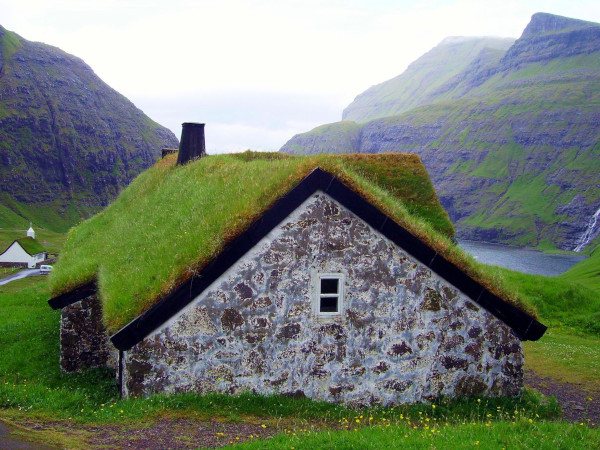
column 24, row 251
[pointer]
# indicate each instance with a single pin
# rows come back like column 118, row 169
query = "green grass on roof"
column 31, row 246
column 173, row 220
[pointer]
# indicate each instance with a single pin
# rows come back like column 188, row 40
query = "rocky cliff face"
column 512, row 142
column 68, row 142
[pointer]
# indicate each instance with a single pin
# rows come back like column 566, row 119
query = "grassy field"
column 566, row 355
column 32, row 388
column 562, row 302
column 569, row 305
column 514, row 434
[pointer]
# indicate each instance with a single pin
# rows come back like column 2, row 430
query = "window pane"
column 329, row 285
column 329, row 304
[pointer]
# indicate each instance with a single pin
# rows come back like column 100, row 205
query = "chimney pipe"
column 192, row 142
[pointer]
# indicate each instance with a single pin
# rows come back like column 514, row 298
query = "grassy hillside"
column 172, row 220
column 587, row 273
column 329, row 138
column 570, row 305
column 58, row 214
column 422, row 80
column 562, row 300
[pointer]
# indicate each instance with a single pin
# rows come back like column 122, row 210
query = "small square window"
column 329, row 294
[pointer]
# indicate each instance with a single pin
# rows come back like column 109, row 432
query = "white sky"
column 258, row 72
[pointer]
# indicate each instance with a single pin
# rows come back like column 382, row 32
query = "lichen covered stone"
column 406, row 335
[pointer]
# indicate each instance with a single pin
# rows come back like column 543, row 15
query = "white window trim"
column 316, row 301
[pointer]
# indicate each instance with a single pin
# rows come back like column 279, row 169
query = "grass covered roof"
column 31, row 246
column 173, row 220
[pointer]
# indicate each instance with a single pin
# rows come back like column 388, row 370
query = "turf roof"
column 173, row 220
column 31, row 246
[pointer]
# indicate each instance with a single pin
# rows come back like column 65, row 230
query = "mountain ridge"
column 511, row 142
column 68, row 141
column 415, row 86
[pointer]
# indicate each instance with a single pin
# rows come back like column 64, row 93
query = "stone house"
column 324, row 296
column 26, row 252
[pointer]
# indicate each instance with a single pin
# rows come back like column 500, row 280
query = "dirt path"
column 179, row 434
column 578, row 405
column 11, row 441
column 171, row 433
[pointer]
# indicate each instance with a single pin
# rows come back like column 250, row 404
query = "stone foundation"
column 84, row 342
column 406, row 335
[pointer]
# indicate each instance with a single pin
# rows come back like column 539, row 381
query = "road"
column 19, row 275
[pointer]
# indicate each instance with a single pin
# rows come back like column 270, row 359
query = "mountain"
column 68, row 142
column 421, row 82
column 511, row 142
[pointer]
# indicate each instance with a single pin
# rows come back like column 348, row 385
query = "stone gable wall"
column 84, row 342
column 406, row 335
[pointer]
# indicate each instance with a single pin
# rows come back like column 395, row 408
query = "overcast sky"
column 258, row 72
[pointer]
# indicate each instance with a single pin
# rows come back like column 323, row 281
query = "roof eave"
column 79, row 293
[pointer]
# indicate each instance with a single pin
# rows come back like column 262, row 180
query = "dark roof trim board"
column 73, row 296
column 525, row 326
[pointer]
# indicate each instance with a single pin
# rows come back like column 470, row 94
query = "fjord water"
column 526, row 260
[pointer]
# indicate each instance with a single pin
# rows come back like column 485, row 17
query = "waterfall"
column 586, row 237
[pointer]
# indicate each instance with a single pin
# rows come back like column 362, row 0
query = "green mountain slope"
column 68, row 142
column 512, row 146
column 420, row 84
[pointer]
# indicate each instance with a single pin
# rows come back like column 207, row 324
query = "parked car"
column 45, row 270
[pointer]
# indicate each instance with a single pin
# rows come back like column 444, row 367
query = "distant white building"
column 25, row 250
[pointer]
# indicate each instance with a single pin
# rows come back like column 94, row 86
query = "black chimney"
column 192, row 142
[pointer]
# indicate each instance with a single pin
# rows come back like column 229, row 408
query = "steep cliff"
column 68, row 142
column 512, row 142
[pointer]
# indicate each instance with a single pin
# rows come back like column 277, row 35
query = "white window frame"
column 317, row 295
